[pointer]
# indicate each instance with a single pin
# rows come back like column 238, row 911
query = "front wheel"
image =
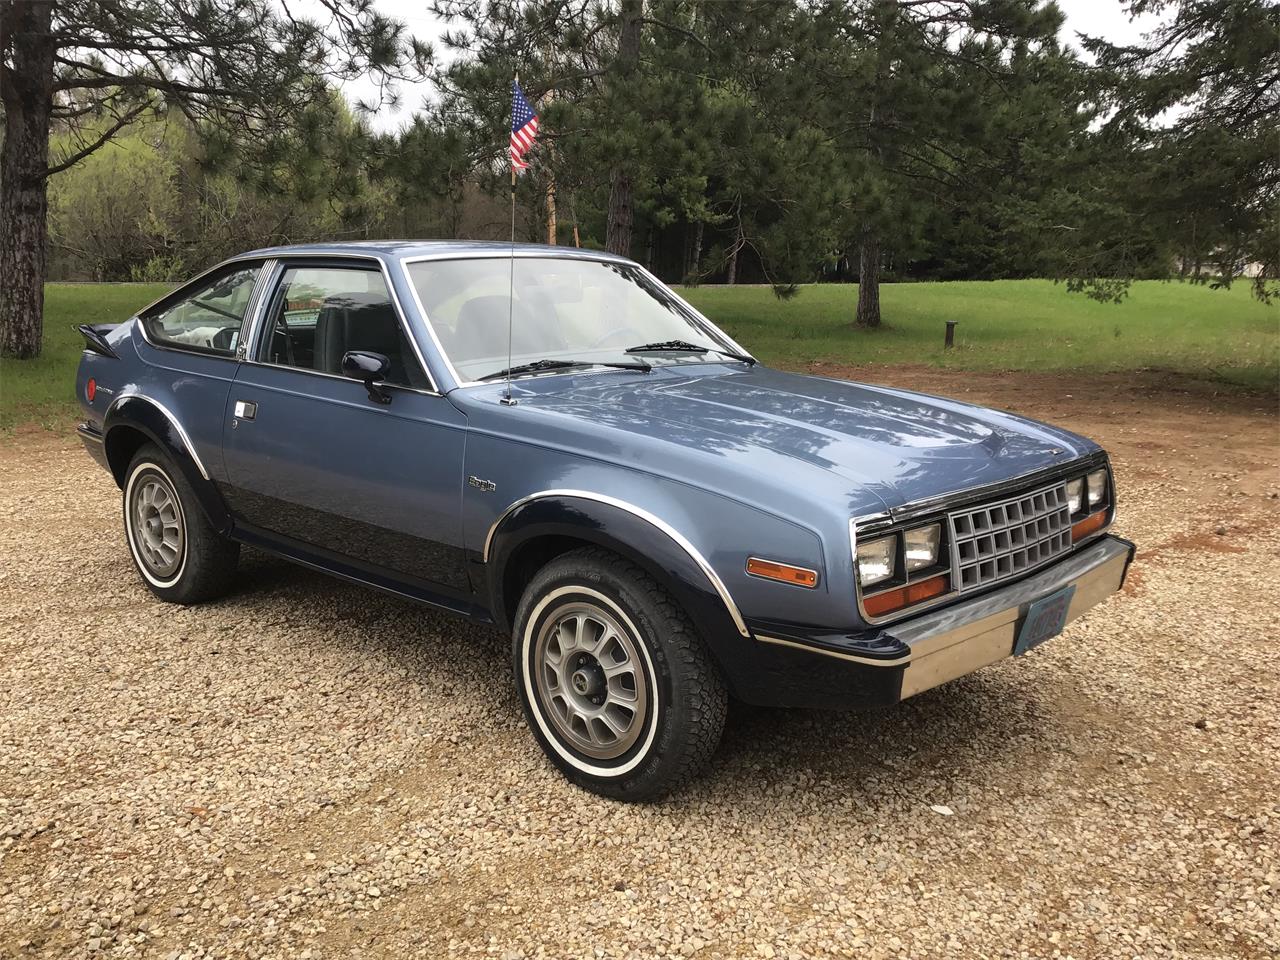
column 616, row 685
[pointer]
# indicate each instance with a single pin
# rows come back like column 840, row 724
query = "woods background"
column 767, row 142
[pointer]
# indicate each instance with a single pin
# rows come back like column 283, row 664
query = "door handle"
column 245, row 410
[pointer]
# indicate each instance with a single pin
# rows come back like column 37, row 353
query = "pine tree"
column 922, row 105
column 241, row 71
column 1199, row 98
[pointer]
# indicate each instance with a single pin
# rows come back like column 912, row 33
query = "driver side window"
column 209, row 318
column 321, row 312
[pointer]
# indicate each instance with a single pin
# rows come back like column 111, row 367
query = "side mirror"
column 370, row 368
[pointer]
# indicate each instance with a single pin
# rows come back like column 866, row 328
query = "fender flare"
column 157, row 422
column 632, row 532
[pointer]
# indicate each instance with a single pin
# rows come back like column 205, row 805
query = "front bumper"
column 917, row 654
column 959, row 640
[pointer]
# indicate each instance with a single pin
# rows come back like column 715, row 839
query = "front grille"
column 1001, row 540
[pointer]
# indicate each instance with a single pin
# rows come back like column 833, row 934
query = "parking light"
column 891, row 600
column 782, row 572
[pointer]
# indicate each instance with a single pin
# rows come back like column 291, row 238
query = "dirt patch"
column 1195, row 542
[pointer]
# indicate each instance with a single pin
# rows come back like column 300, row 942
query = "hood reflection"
column 916, row 445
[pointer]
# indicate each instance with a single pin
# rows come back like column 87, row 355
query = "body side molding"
column 675, row 535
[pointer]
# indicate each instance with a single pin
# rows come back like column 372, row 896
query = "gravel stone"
column 306, row 768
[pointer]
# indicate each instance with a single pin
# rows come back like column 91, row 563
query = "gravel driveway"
column 308, row 769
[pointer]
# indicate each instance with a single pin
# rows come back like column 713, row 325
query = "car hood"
column 899, row 445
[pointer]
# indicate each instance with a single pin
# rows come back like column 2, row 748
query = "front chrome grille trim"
column 993, row 542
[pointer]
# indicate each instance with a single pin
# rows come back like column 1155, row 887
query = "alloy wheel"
column 158, row 531
column 589, row 677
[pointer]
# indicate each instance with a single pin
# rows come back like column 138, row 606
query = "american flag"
column 524, row 127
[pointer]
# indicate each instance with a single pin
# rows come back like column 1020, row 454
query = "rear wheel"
column 178, row 553
column 616, row 685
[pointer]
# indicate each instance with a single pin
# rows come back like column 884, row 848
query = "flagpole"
column 511, row 285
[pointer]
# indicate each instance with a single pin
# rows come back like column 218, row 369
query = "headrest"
column 482, row 327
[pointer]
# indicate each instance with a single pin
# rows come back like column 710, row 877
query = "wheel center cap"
column 587, row 681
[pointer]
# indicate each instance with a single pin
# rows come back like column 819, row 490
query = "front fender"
column 133, row 414
column 631, row 532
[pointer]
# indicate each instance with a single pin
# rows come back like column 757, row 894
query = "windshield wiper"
column 537, row 366
column 674, row 346
column 684, row 346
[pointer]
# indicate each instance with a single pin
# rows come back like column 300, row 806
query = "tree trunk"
column 695, row 255
column 620, row 217
column 869, row 281
column 737, row 245
column 551, row 211
column 27, row 92
column 618, row 231
column 550, row 167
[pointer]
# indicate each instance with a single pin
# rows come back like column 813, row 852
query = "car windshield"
column 588, row 311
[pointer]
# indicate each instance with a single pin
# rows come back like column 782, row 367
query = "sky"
column 1106, row 18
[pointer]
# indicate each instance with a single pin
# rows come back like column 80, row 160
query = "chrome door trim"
column 679, row 539
column 338, row 376
column 257, row 307
column 177, row 426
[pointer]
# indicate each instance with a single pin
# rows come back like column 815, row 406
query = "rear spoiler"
column 95, row 338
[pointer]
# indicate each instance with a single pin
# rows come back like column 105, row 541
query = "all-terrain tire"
column 615, row 623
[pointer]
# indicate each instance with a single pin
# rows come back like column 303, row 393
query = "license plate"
column 1044, row 620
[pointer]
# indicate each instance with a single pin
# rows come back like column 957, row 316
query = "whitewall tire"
column 177, row 552
column 616, row 685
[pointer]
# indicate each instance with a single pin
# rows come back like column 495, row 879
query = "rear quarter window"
column 208, row 316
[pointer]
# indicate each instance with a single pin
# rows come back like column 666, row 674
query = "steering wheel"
column 632, row 335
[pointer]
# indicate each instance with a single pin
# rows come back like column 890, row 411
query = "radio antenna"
column 511, row 283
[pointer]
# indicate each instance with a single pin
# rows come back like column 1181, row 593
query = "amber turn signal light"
column 891, row 600
column 1090, row 524
column 782, row 572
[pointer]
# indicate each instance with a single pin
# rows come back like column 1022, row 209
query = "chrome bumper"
column 959, row 640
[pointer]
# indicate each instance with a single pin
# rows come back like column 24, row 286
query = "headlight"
column 1097, row 487
column 1075, row 495
column 876, row 560
column 921, row 546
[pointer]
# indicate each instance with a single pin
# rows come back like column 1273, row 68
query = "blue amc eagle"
column 660, row 521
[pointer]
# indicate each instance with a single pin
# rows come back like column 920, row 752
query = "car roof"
column 408, row 249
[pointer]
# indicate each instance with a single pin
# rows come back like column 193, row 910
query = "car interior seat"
column 364, row 322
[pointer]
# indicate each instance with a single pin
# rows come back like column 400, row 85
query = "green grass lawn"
column 1223, row 335
column 43, row 390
